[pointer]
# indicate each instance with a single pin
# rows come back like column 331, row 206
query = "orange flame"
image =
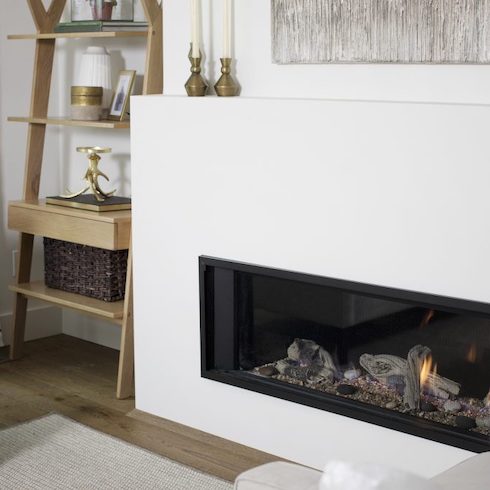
column 471, row 355
column 427, row 368
column 428, row 316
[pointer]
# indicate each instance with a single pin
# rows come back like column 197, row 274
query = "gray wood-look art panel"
column 381, row 31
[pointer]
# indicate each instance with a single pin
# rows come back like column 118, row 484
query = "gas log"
column 415, row 359
column 384, row 366
column 307, row 361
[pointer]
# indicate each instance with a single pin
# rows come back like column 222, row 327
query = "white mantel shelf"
column 394, row 194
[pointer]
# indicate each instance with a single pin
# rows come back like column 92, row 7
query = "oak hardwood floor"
column 78, row 379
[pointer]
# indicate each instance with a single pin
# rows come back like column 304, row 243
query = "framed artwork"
column 120, row 101
column 381, row 31
column 106, row 10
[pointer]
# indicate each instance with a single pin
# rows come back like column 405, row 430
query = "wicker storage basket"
column 89, row 271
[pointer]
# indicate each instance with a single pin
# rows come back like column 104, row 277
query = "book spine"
column 100, row 26
column 93, row 27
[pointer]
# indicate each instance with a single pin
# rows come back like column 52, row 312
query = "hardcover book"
column 89, row 203
column 100, row 26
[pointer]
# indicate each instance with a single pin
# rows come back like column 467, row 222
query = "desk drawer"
column 84, row 227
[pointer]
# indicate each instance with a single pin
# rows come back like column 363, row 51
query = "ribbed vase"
column 95, row 71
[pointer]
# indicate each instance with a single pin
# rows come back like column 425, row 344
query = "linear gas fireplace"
column 408, row 361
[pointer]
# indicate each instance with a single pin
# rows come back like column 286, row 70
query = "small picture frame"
column 120, row 101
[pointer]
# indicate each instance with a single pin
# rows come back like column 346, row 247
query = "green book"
column 100, row 26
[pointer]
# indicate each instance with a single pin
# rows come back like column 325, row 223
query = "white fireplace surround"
column 393, row 194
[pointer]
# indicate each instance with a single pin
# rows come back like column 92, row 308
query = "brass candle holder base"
column 196, row 86
column 226, row 86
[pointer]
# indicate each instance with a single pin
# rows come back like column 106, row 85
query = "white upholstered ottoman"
column 472, row 474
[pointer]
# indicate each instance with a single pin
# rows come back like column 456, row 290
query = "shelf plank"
column 112, row 312
column 109, row 230
column 79, row 35
column 61, row 121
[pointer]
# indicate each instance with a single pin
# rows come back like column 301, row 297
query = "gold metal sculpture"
column 92, row 175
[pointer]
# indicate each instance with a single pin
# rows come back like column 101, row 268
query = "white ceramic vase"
column 95, row 71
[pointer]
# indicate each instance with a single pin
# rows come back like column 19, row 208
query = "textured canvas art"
column 381, row 31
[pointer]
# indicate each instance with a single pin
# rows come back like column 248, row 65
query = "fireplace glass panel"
column 355, row 349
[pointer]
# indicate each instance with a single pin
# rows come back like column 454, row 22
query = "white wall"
column 407, row 190
column 392, row 194
column 16, row 63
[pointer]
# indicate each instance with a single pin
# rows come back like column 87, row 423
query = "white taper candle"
column 226, row 28
column 196, row 28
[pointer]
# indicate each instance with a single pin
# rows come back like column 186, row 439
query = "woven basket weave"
column 90, row 271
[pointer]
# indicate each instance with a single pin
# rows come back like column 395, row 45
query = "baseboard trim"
column 42, row 321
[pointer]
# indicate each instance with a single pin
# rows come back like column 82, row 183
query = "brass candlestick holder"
column 92, row 175
column 196, row 86
column 226, row 86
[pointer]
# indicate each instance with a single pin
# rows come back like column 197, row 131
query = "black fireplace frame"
column 409, row 424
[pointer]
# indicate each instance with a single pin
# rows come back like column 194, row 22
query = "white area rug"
column 55, row 452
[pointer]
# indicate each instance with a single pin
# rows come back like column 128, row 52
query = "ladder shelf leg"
column 20, row 306
column 45, row 21
column 125, row 376
column 153, row 80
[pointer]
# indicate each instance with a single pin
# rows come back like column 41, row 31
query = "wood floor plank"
column 46, row 398
column 249, row 457
column 79, row 367
column 77, row 379
column 15, row 411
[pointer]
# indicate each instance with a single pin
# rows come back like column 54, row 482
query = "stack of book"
column 101, row 26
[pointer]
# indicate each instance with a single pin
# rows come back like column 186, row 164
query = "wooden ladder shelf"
column 32, row 217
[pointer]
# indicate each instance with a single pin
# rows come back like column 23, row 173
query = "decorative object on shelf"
column 226, row 85
column 102, row 26
column 86, row 103
column 82, row 269
column 120, row 101
column 95, row 71
column 196, row 86
column 383, row 31
column 92, row 175
column 101, row 10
